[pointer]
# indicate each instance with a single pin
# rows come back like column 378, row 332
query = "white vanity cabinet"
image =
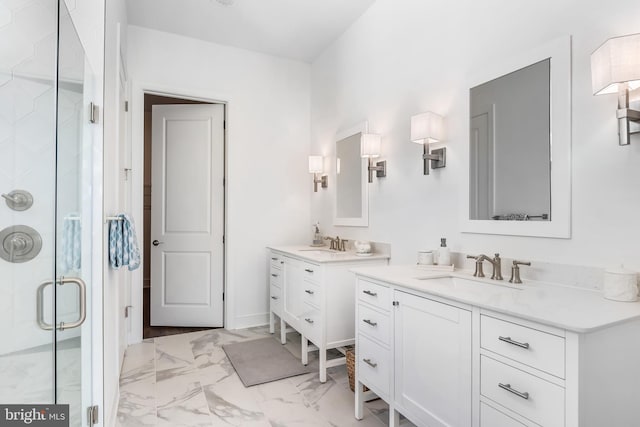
column 445, row 356
column 314, row 295
column 432, row 353
column 415, row 353
column 276, row 297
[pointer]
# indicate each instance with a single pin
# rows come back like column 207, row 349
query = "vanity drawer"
column 534, row 398
column 373, row 365
column 374, row 294
column 491, row 417
column 311, row 272
column 311, row 321
column 374, row 324
column 275, row 277
column 311, row 293
column 531, row 347
column 275, row 299
column 276, row 260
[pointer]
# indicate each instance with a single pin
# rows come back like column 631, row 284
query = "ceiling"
column 296, row 29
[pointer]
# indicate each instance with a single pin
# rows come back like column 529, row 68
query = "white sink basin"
column 461, row 282
column 321, row 252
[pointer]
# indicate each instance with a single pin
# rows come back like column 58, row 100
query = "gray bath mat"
column 265, row 360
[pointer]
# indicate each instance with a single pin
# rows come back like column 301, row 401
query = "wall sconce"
column 316, row 167
column 427, row 128
column 370, row 149
column 615, row 67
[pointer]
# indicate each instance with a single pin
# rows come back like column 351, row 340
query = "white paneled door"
column 187, row 216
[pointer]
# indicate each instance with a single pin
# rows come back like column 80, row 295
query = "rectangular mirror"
column 520, row 127
column 352, row 197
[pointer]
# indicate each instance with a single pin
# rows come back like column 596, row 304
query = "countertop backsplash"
column 572, row 275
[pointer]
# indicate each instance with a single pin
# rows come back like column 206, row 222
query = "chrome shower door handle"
column 82, row 296
column 156, row 243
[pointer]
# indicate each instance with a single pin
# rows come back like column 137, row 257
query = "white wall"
column 403, row 58
column 268, row 144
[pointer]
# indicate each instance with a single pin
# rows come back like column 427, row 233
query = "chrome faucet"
column 496, row 262
column 515, row 271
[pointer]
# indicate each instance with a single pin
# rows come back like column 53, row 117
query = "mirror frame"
column 363, row 220
column 559, row 50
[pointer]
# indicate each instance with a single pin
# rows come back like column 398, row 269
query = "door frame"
column 139, row 89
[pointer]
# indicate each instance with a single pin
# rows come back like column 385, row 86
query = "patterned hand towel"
column 131, row 252
column 123, row 244
column 71, row 244
column 115, row 244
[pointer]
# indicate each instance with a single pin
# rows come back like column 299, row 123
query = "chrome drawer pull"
column 368, row 292
column 507, row 387
column 274, row 259
column 274, row 298
column 516, row 343
column 369, row 322
column 309, row 291
column 308, row 270
column 274, row 275
column 308, row 320
column 370, row 363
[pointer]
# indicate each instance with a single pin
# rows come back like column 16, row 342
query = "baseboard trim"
column 251, row 320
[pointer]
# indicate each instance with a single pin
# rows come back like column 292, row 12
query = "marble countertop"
column 323, row 254
column 574, row 309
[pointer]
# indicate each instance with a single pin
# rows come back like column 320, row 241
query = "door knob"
column 156, row 243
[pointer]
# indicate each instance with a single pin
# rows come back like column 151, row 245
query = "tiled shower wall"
column 28, row 155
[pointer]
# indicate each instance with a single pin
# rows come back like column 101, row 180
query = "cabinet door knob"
column 370, row 363
column 274, row 259
column 309, row 291
column 508, row 387
column 308, row 320
column 369, row 322
column 308, row 270
column 512, row 342
column 274, row 298
column 368, row 292
column 274, row 275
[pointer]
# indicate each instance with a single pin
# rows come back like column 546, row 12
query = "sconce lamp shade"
column 316, row 164
column 426, row 128
column 370, row 145
column 616, row 61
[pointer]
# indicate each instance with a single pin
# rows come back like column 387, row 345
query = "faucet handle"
column 472, row 257
column 515, row 271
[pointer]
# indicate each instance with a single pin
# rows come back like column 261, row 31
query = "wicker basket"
column 351, row 369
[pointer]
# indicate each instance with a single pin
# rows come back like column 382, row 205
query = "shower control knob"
column 18, row 200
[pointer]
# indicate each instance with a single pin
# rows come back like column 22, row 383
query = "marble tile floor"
column 187, row 380
column 27, row 377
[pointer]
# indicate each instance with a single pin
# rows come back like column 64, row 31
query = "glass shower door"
column 73, row 223
column 45, row 209
column 28, row 31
